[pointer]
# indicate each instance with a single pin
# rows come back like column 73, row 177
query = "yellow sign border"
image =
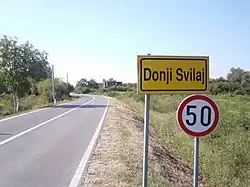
column 140, row 59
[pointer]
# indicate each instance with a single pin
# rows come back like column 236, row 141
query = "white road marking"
column 80, row 169
column 26, row 113
column 41, row 124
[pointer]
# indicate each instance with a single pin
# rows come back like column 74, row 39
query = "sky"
column 102, row 38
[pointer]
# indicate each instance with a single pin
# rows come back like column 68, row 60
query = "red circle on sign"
column 183, row 105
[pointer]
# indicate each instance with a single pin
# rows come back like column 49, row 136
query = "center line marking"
column 41, row 124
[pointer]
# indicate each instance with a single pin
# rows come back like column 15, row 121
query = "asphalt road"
column 44, row 148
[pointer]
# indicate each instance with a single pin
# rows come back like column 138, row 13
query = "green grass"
column 224, row 155
column 26, row 104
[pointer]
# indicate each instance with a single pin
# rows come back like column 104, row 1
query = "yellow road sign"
column 173, row 74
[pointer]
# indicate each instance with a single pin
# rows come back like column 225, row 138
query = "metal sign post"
column 196, row 161
column 197, row 115
column 146, row 133
column 167, row 75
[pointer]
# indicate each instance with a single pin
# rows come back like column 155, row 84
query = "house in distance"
column 111, row 82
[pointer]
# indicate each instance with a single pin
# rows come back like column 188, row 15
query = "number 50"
column 202, row 121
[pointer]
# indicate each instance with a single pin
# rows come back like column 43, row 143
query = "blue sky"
column 101, row 39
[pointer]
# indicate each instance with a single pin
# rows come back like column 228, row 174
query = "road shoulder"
column 117, row 158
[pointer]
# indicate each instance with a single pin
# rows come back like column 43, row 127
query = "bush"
column 3, row 89
column 121, row 89
column 224, row 88
column 45, row 89
column 84, row 90
column 61, row 90
column 5, row 104
column 33, row 101
column 111, row 94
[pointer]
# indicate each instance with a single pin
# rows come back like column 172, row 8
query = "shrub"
column 33, row 101
column 5, row 104
column 45, row 89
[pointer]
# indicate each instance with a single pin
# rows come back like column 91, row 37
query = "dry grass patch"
column 117, row 158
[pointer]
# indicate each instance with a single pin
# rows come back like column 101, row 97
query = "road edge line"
column 83, row 163
column 32, row 111
column 23, row 114
column 43, row 123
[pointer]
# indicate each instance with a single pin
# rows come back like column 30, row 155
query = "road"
column 45, row 148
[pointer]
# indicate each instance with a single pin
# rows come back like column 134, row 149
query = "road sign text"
column 198, row 115
column 160, row 74
column 180, row 75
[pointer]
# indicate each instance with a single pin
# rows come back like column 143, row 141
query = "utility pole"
column 67, row 79
column 53, row 85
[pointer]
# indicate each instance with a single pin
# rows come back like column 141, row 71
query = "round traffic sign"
column 198, row 115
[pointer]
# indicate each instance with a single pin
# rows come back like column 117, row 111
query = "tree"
column 38, row 67
column 3, row 89
column 246, row 82
column 86, row 86
column 81, row 83
column 238, row 82
column 235, row 75
column 92, row 84
column 19, row 63
column 61, row 89
column 33, row 87
column 44, row 89
column 220, row 79
column 13, row 70
column 111, row 80
column 70, row 87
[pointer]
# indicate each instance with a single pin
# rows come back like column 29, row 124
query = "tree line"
column 25, row 71
column 85, row 86
column 237, row 82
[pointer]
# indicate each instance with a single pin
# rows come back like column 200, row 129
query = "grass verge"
column 117, row 158
column 224, row 155
column 26, row 104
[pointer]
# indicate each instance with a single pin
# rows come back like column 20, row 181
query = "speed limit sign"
column 198, row 115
